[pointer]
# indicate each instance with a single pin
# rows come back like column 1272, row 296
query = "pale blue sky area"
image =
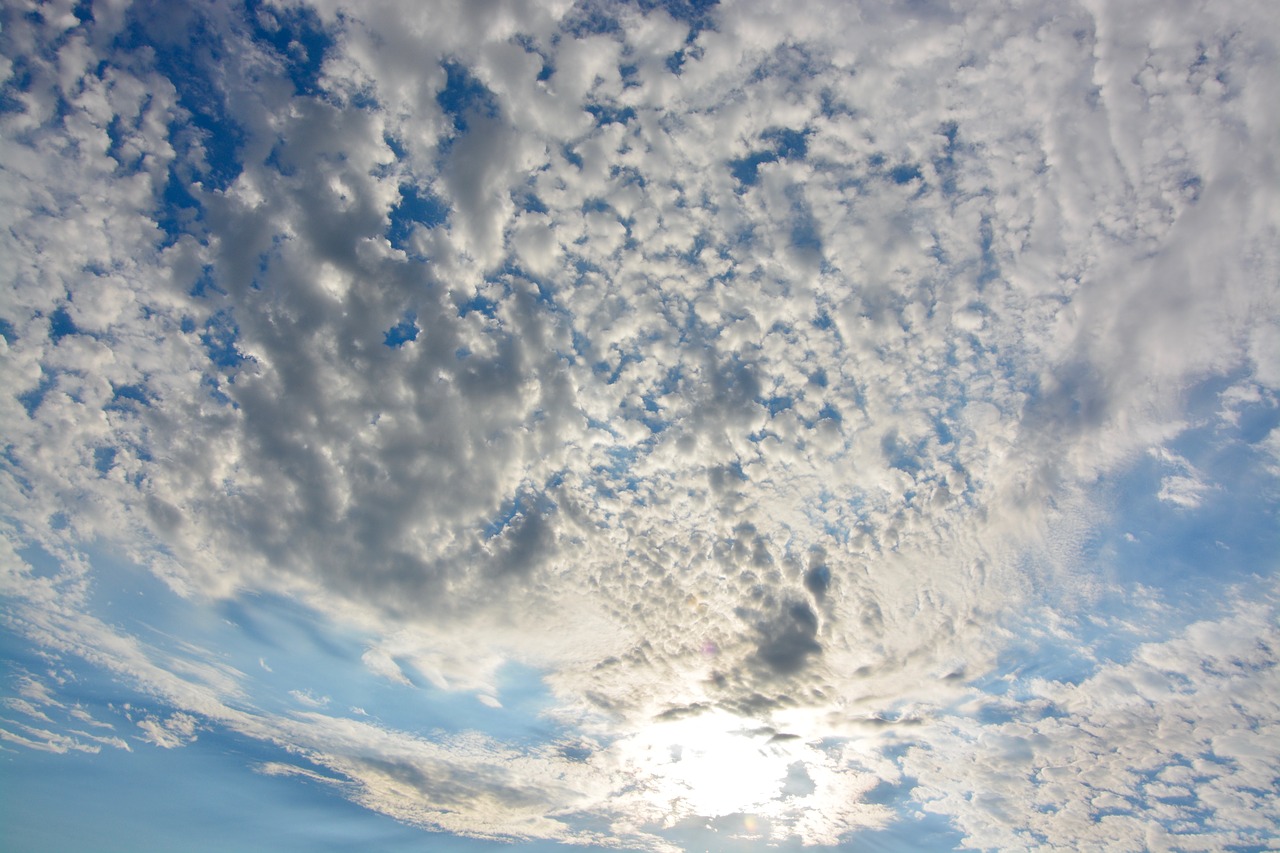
column 639, row 425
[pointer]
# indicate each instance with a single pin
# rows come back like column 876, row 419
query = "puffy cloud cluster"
column 728, row 367
column 1173, row 750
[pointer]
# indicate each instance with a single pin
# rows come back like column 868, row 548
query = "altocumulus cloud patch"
column 644, row 425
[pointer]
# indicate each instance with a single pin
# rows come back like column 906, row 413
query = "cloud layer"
column 746, row 371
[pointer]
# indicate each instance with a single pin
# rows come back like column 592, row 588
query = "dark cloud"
column 787, row 640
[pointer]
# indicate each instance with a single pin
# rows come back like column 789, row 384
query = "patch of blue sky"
column 13, row 466
column 989, row 269
column 528, row 201
column 905, row 173
column 505, row 515
column 524, row 720
column 571, row 156
column 675, row 62
column 828, row 410
column 581, row 344
column 61, row 325
column 215, row 390
column 403, row 332
column 596, row 204
column 189, row 56
column 621, row 459
column 591, row 19
column 201, row 798
column 804, row 232
column 1256, row 420
column 627, row 176
column 531, row 46
column 604, row 426
column 1036, row 655
column 616, row 475
column 698, row 14
column 1231, row 537
column 20, row 77
column 116, row 150
column 296, row 36
column 735, row 468
column 915, row 830
column 602, row 367
column 784, row 144
column 1192, row 806
column 208, row 138
column 104, row 459
column 220, row 338
column 778, row 404
column 74, row 685
column 901, row 455
column 19, row 82
column 701, row 240
column 42, row 563
column 31, row 400
column 206, row 283
column 649, row 413
column 944, row 165
column 464, row 96
column 417, row 207
column 179, row 212
column 670, row 383
column 126, row 398
column 1193, row 560
column 290, row 657
column 396, row 144
column 788, row 144
column 545, row 288
column 482, row 304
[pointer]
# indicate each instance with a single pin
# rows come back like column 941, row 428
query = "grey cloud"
column 692, row 444
column 817, row 579
column 788, row 639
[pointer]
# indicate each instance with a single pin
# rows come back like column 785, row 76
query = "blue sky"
column 644, row 426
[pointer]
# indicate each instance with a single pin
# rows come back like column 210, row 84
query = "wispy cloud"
column 742, row 371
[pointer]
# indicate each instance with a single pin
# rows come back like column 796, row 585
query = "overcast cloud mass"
column 640, row 425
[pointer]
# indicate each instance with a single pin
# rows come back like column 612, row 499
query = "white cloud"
column 178, row 729
column 1182, row 491
column 309, row 699
column 43, row 739
column 1143, row 754
column 753, row 369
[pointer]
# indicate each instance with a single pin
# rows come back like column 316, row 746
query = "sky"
column 647, row 425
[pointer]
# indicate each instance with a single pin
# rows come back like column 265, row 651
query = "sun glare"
column 713, row 764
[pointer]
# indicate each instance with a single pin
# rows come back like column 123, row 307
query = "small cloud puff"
column 179, row 729
column 309, row 699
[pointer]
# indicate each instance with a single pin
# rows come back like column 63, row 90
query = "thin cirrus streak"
column 647, row 425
